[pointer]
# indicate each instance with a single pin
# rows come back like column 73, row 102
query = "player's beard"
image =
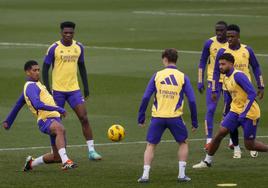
column 223, row 71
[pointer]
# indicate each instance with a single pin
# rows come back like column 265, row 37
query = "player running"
column 244, row 110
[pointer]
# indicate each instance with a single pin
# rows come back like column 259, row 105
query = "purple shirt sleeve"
column 242, row 80
column 146, row 99
column 255, row 67
column 204, row 59
column 32, row 92
column 189, row 92
column 14, row 112
column 81, row 58
column 216, row 71
column 50, row 57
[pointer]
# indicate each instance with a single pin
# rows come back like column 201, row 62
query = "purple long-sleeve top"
column 33, row 93
column 187, row 90
column 253, row 62
column 204, row 57
column 242, row 80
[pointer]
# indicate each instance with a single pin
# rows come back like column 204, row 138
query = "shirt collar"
column 30, row 79
column 171, row 67
column 61, row 41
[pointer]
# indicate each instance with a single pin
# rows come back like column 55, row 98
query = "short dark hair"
column 228, row 57
column 28, row 65
column 222, row 23
column 67, row 24
column 233, row 27
column 171, row 54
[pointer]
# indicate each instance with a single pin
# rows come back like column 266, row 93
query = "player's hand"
column 200, row 87
column 260, row 93
column 5, row 125
column 64, row 114
column 141, row 124
column 86, row 94
column 214, row 96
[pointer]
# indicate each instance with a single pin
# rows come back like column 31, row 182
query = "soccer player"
column 168, row 86
column 42, row 105
column 65, row 56
column 244, row 56
column 208, row 56
column 244, row 110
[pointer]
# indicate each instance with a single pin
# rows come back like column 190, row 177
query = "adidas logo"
column 170, row 80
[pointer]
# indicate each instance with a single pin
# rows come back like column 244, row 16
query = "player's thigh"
column 250, row 128
column 56, row 127
column 45, row 127
column 75, row 99
column 59, row 98
column 155, row 130
column 177, row 128
column 230, row 121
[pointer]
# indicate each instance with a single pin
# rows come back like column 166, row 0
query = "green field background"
column 123, row 40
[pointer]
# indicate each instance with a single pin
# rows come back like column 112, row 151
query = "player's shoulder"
column 53, row 45
column 29, row 85
column 248, row 48
column 238, row 74
column 213, row 39
column 222, row 50
column 78, row 44
column 209, row 41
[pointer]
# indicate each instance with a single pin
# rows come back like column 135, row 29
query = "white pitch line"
column 106, row 144
column 10, row 44
column 163, row 13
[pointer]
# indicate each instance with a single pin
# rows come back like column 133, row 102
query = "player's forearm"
column 203, row 61
column 46, row 76
column 258, row 77
column 189, row 92
column 41, row 106
column 15, row 110
column 227, row 102
column 146, row 99
column 142, row 110
column 255, row 67
column 193, row 110
column 83, row 73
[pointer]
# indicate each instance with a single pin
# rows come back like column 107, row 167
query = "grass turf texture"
column 117, row 79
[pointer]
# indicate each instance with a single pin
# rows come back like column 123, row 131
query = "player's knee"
column 60, row 130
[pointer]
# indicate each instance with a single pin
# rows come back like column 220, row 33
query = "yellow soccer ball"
column 116, row 133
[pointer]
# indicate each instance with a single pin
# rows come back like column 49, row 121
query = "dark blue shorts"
column 44, row 127
column 249, row 126
column 158, row 125
column 74, row 98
